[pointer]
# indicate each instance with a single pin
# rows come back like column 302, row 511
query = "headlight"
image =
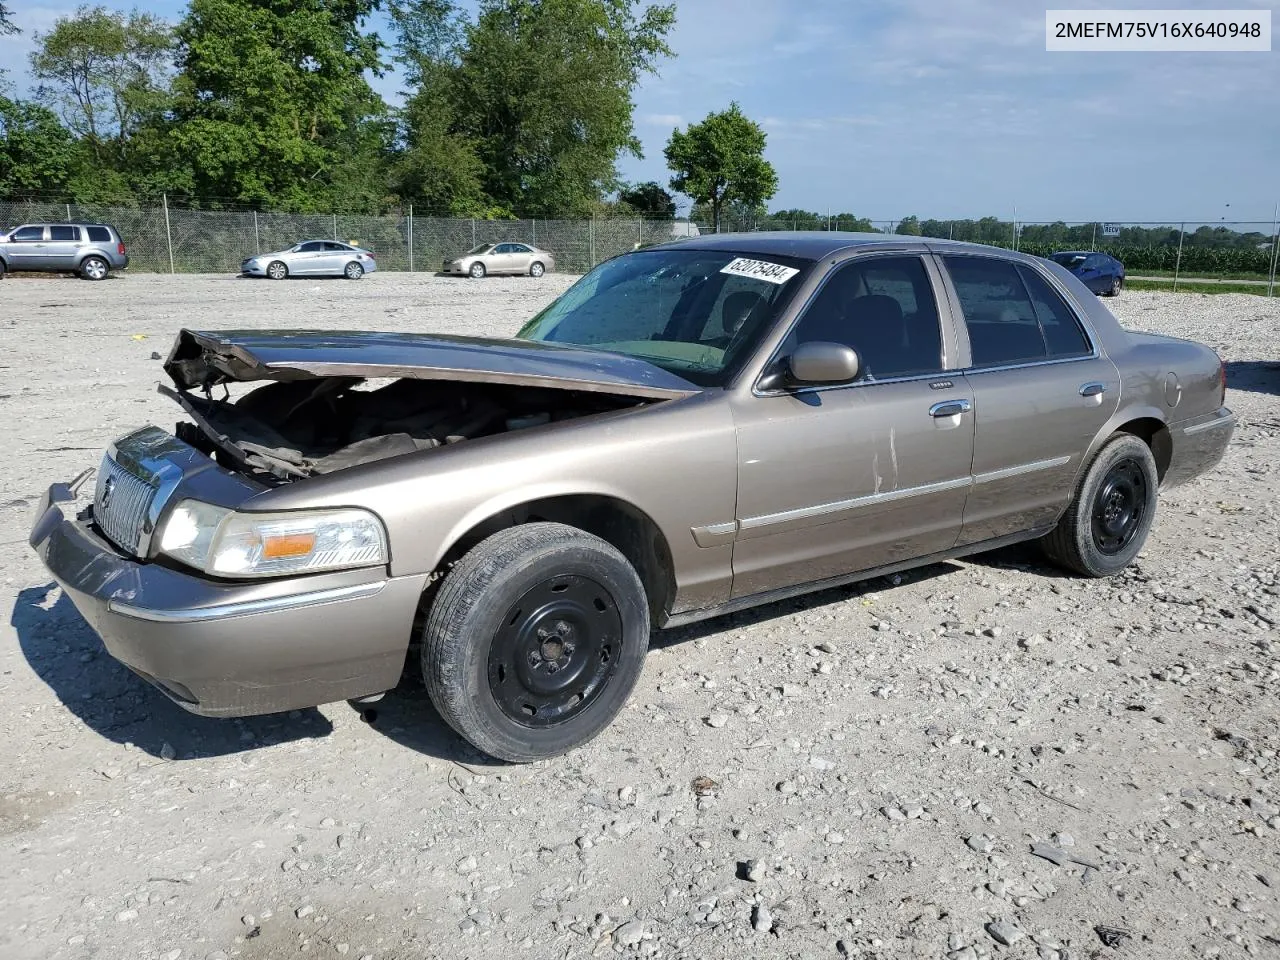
column 229, row 544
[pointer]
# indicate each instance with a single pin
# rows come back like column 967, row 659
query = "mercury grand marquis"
column 691, row 429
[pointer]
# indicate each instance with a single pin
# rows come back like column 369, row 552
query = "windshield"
column 1068, row 259
column 693, row 312
column 479, row 248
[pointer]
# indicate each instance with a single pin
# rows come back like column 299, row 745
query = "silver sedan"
column 312, row 258
column 487, row 258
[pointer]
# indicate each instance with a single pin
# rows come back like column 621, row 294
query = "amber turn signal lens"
column 289, row 545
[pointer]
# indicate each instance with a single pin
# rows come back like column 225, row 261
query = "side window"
column 1002, row 323
column 331, row 246
column 28, row 235
column 315, row 246
column 504, row 248
column 520, row 248
column 99, row 235
column 1062, row 333
column 884, row 308
column 64, row 233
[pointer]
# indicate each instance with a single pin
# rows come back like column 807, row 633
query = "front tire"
column 536, row 269
column 1111, row 513
column 2, row 269
column 94, row 268
column 535, row 640
column 353, row 271
column 277, row 270
column 477, row 271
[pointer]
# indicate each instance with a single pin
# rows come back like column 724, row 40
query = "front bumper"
column 248, row 269
column 231, row 649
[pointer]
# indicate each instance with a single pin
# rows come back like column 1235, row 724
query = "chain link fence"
column 167, row 240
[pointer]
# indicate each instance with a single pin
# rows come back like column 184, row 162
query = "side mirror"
column 822, row 362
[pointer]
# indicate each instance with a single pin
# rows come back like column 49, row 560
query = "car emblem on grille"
column 107, row 488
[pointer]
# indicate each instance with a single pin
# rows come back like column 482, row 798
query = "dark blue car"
column 1100, row 272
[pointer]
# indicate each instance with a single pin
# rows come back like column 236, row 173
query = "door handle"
column 1092, row 389
column 950, row 408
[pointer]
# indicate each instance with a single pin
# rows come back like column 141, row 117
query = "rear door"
column 26, row 248
column 1042, row 391
column 63, row 248
column 521, row 258
column 335, row 256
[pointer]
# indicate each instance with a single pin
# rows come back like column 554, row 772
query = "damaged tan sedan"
column 689, row 430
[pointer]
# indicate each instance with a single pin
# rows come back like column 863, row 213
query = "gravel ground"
column 978, row 759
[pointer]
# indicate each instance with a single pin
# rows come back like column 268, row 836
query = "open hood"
column 202, row 358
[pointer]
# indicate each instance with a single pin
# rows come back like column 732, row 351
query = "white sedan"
column 312, row 258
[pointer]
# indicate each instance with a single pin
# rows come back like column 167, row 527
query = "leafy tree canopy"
column 721, row 160
column 649, row 200
column 271, row 101
column 543, row 90
column 37, row 153
column 106, row 73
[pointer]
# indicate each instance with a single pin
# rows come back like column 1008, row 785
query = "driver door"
column 851, row 477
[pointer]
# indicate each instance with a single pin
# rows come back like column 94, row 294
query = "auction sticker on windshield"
column 759, row 270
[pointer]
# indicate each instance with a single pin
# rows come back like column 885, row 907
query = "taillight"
column 120, row 248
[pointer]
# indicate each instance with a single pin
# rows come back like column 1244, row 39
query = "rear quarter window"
column 99, row 235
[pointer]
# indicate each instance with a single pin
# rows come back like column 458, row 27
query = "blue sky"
column 944, row 108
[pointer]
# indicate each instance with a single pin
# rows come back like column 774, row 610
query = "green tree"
column 721, row 160
column 909, row 226
column 544, row 91
column 6, row 23
column 649, row 200
column 434, row 167
column 106, row 73
column 37, row 153
column 272, row 102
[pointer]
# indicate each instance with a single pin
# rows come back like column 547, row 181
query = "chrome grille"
column 120, row 505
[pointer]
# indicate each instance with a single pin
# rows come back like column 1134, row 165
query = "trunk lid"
column 209, row 358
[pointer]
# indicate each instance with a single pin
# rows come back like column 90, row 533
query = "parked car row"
column 91, row 250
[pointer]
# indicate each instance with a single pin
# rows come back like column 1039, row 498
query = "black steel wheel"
column 535, row 640
column 1119, row 506
column 555, row 652
column 1111, row 514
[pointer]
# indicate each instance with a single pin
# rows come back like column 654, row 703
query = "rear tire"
column 94, row 268
column 2, row 269
column 1117, row 284
column 1111, row 513
column 536, row 269
column 353, row 271
column 277, row 270
column 535, row 641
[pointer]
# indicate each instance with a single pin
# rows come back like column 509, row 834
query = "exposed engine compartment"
column 287, row 430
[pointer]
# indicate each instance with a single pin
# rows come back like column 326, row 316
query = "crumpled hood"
column 209, row 358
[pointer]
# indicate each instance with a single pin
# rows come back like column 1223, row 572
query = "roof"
column 810, row 244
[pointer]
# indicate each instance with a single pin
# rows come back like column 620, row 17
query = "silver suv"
column 90, row 249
